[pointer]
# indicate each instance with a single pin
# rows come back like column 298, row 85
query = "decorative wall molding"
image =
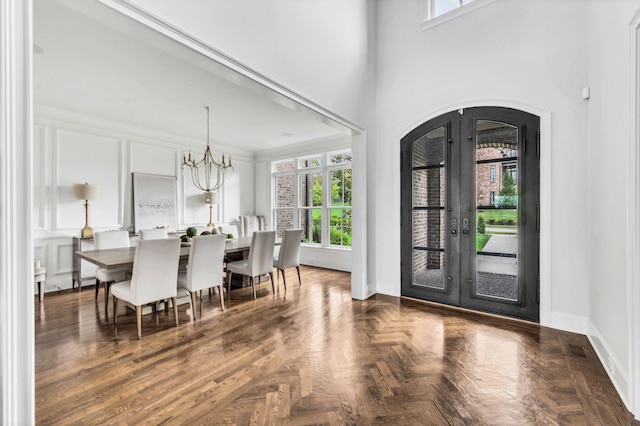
column 47, row 115
column 323, row 257
column 305, row 148
column 16, row 259
column 633, row 220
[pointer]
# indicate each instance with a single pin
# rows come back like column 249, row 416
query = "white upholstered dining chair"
column 289, row 255
column 250, row 224
column 204, row 268
column 153, row 234
column 259, row 261
column 155, row 272
column 109, row 240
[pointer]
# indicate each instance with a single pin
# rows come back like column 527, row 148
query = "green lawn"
column 481, row 241
column 497, row 215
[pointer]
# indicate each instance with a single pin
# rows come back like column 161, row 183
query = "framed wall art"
column 154, row 201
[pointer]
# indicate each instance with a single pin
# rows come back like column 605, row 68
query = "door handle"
column 454, row 226
column 465, row 227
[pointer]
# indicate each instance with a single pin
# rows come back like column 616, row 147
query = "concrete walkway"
column 507, row 244
column 502, row 244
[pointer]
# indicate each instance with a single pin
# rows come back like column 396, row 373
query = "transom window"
column 437, row 12
column 440, row 7
column 314, row 193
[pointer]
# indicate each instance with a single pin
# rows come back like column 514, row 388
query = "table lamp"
column 86, row 192
column 211, row 198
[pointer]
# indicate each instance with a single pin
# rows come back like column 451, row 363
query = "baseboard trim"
column 567, row 322
column 615, row 370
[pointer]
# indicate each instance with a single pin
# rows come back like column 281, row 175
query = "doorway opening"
column 470, row 202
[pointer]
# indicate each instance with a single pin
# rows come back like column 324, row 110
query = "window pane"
column 428, row 187
column 285, row 166
column 311, row 224
column 284, row 191
column 341, row 187
column 443, row 6
column 496, row 210
column 429, row 150
column 428, row 229
column 428, row 269
column 340, row 227
column 310, row 189
column 311, row 162
column 284, row 220
column 340, row 158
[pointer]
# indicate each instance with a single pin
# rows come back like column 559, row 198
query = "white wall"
column 611, row 136
column 274, row 37
column 487, row 57
column 424, row 73
column 71, row 148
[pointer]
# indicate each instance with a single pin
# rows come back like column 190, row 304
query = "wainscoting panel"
column 84, row 157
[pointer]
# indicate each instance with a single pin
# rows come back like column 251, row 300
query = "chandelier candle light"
column 204, row 181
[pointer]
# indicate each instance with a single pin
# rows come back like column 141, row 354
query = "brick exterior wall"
column 428, row 190
column 484, row 186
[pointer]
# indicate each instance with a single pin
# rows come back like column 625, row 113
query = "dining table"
column 123, row 257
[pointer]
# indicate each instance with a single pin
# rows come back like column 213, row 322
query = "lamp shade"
column 210, row 197
column 84, row 191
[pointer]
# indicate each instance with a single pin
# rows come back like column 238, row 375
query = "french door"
column 470, row 211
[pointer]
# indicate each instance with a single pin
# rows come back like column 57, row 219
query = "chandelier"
column 202, row 171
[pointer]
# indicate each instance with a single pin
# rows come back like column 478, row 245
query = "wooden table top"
column 123, row 257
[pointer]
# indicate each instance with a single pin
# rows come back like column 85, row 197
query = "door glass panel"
column 496, row 233
column 428, row 192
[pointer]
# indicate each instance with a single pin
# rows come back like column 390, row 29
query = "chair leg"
column 115, row 310
column 299, row 279
column 106, row 296
column 175, row 308
column 273, row 289
column 284, row 280
column 40, row 292
column 253, row 287
column 221, row 291
column 193, row 304
column 200, row 304
column 97, row 287
column 139, row 321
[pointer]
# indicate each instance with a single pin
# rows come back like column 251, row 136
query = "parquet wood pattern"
column 312, row 355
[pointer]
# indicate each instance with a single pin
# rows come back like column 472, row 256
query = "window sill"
column 318, row 246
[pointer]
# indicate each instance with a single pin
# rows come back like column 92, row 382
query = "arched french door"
column 470, row 211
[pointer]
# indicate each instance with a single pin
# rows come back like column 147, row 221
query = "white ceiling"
column 116, row 68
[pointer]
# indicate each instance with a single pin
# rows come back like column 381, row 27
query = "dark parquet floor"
column 312, row 355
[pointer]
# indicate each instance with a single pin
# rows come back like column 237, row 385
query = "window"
column 440, row 7
column 314, row 193
column 437, row 12
column 492, row 198
column 493, row 174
